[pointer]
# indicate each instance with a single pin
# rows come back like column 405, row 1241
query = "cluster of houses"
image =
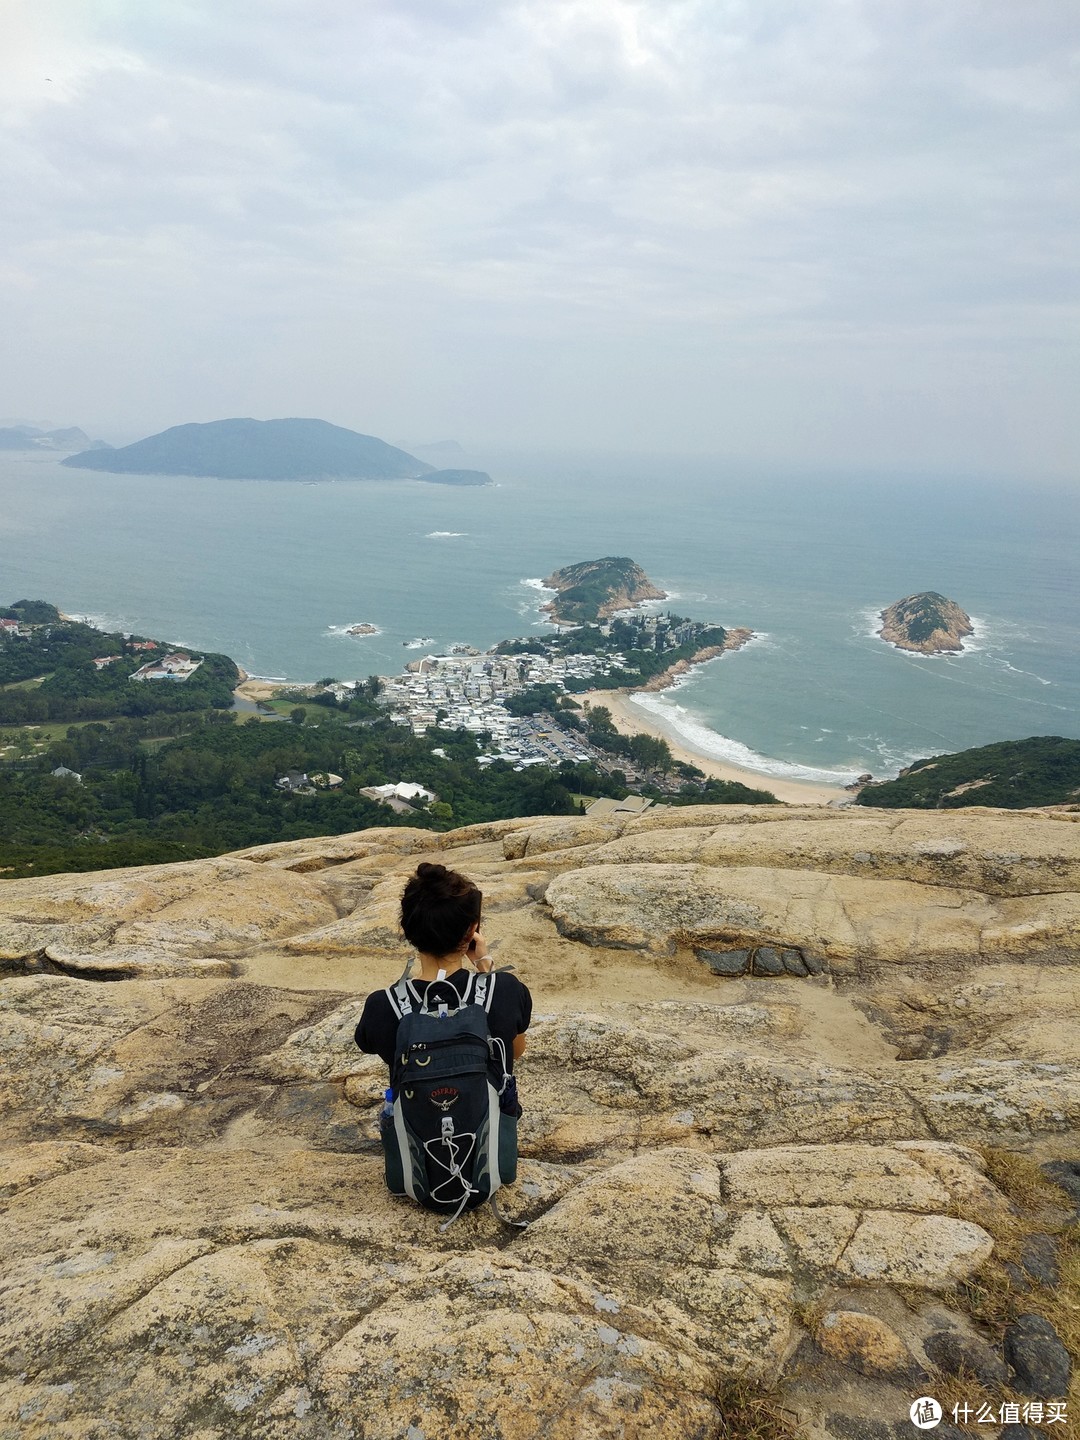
column 467, row 692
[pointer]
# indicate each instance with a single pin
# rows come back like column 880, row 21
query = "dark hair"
column 437, row 908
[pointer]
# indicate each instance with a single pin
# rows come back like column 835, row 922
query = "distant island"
column 459, row 477
column 595, row 590
column 261, row 450
column 29, row 437
column 926, row 623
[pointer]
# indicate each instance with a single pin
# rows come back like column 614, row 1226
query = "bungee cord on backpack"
column 453, row 1166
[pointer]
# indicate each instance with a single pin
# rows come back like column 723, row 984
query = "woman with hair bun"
column 440, row 916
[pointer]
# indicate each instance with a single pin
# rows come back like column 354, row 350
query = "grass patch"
column 1019, row 1178
column 26, row 684
column 749, row 1413
column 992, row 1297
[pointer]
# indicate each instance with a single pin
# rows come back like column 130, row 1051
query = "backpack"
column 447, row 1143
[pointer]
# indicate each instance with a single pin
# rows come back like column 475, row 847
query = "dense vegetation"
column 1044, row 770
column 49, row 673
column 643, row 665
column 584, row 589
column 915, row 620
column 143, row 799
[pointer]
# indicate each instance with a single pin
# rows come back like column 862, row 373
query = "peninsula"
column 926, row 623
column 594, row 590
column 259, row 450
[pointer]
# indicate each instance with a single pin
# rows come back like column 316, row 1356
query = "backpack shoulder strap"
column 483, row 990
column 399, row 997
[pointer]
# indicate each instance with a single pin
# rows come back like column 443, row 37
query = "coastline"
column 629, row 720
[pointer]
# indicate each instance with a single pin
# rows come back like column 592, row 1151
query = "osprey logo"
column 444, row 1097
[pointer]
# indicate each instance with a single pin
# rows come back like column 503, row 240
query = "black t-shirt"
column 509, row 1016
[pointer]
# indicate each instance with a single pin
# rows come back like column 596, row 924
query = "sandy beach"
column 256, row 690
column 630, row 719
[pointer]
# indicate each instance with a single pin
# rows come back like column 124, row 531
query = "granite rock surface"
column 757, row 1170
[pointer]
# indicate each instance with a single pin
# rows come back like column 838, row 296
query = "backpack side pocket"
column 508, row 1152
column 395, row 1171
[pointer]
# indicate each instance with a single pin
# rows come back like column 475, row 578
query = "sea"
column 274, row 573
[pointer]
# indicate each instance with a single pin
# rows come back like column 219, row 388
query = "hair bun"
column 431, row 873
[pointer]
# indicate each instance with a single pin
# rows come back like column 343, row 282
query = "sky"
column 810, row 233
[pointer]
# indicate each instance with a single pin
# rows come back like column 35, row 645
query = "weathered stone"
column 956, row 1353
column 767, row 961
column 725, row 962
column 818, row 1233
column 33, row 1164
column 1039, row 1362
column 853, row 921
column 999, row 854
column 545, row 835
column 1039, row 1258
column 1066, row 1175
column 863, row 1176
column 864, row 1342
column 304, row 856
column 794, row 963
column 928, row 1251
column 857, row 1427
column 960, row 1169
column 996, row 1100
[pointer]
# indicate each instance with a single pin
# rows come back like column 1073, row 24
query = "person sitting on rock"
column 441, row 912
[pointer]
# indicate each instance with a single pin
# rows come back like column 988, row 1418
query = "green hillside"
column 1043, row 770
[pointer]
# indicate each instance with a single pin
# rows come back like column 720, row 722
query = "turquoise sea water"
column 272, row 572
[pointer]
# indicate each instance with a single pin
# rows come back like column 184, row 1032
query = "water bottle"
column 388, row 1105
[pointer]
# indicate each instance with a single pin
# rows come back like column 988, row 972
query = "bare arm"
column 520, row 1041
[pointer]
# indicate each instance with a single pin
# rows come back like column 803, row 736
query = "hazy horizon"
column 828, row 234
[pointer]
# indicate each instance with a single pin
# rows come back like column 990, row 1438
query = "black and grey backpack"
column 448, row 1143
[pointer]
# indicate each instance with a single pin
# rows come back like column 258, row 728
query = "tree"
column 298, row 715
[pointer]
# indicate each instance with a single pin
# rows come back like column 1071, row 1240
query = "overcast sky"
column 824, row 232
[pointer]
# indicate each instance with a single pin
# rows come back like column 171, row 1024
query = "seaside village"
column 466, row 690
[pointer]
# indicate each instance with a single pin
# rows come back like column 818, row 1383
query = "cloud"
column 415, row 217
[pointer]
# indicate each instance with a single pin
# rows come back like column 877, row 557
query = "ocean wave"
column 108, row 623
column 1030, row 674
column 886, row 761
column 536, row 584
column 714, row 746
column 115, row 626
column 445, row 534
